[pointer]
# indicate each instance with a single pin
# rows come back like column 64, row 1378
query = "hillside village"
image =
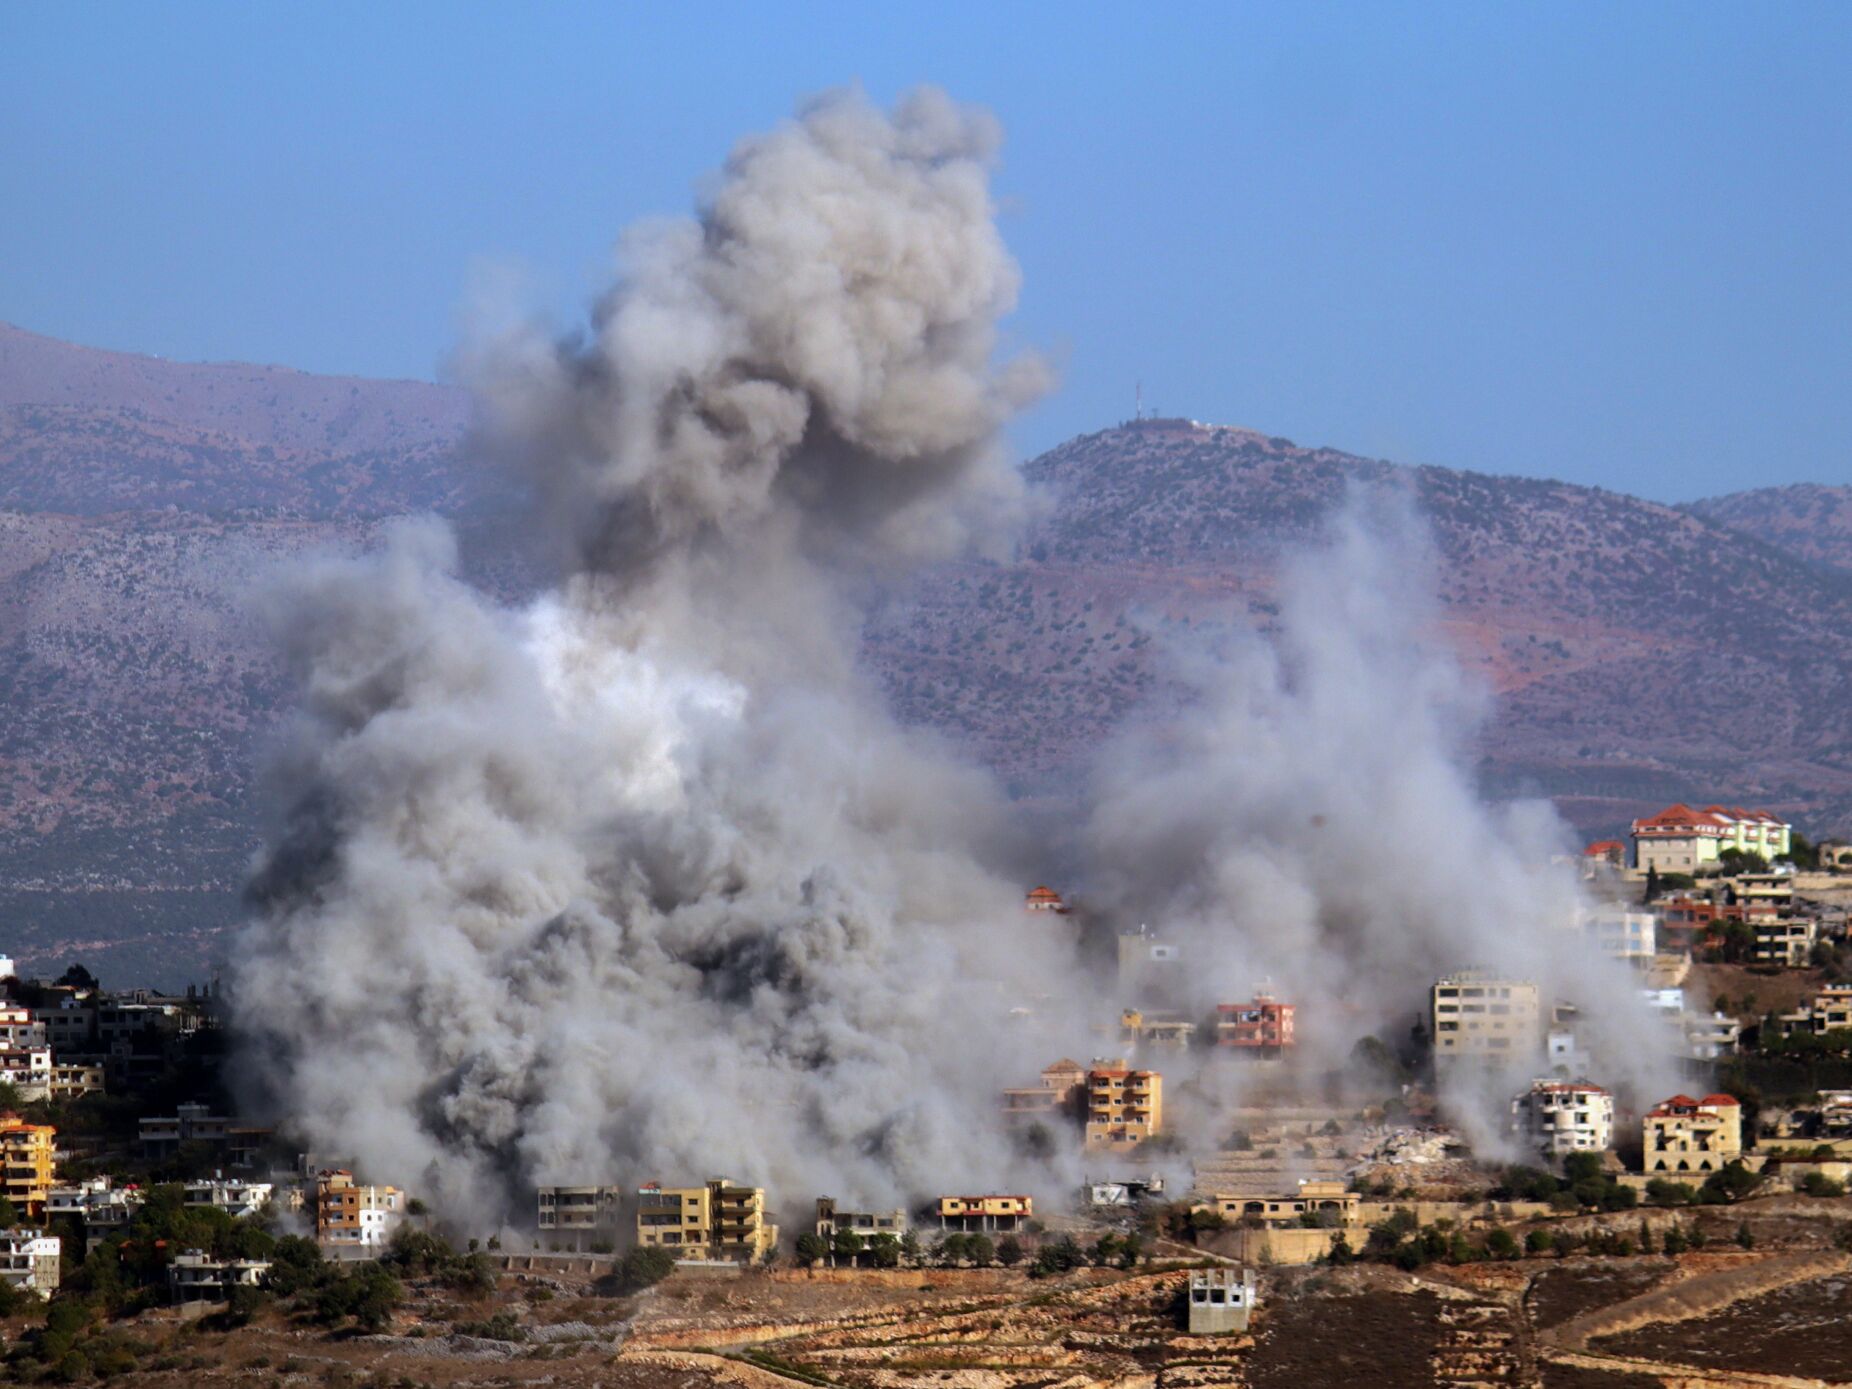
column 140, row 1212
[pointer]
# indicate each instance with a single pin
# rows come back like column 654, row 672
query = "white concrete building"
column 1621, row 933
column 194, row 1276
column 100, row 1206
column 235, row 1198
column 29, row 1260
column 1559, row 1117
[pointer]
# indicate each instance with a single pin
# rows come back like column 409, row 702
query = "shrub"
column 1668, row 1193
column 1539, row 1242
column 1009, row 1251
column 1500, row 1245
column 1819, row 1184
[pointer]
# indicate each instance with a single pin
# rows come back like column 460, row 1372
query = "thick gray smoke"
column 639, row 881
column 1310, row 819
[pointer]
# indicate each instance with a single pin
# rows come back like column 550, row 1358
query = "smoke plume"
column 639, row 881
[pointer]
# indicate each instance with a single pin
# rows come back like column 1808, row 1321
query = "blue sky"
column 1597, row 242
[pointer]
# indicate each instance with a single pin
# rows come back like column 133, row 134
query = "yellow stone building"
column 1124, row 1107
column 26, row 1164
column 721, row 1220
column 1697, row 1136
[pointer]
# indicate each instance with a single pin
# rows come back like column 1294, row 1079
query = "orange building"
column 985, row 1214
column 1124, row 1106
column 1263, row 1027
column 1044, row 899
column 27, row 1167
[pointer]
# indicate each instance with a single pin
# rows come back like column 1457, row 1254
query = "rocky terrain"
column 1640, row 653
column 1808, row 519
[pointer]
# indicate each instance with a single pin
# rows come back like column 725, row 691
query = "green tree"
column 1105, row 1251
column 1500, row 1244
column 847, row 1245
column 1539, row 1242
column 1745, row 1237
column 884, row 1250
column 982, row 1252
column 811, row 1248
column 1009, row 1251
column 1819, row 1184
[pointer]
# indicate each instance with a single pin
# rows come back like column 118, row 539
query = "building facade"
column 1479, row 1016
column 579, row 1214
column 1125, row 1107
column 1680, row 839
column 1261, row 1027
column 833, row 1221
column 1696, row 1136
column 1221, row 1300
column 30, row 1260
column 990, row 1215
column 1329, row 1205
column 721, row 1220
column 27, row 1164
column 1556, row 1118
column 352, row 1216
column 1062, row 1094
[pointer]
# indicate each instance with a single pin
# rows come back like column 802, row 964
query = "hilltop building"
column 1262, row 1027
column 720, row 1220
column 1124, row 1106
column 1327, row 1204
column 1687, row 1135
column 1479, row 1016
column 867, row 1224
column 99, row 1206
column 1830, row 1011
column 1682, row 840
column 1621, row 933
column 1166, row 1031
column 1062, row 1094
column 350, row 1216
column 989, row 1215
column 1221, row 1300
column 1560, row 1117
column 235, row 1198
column 579, row 1213
column 1045, row 899
column 30, row 1260
column 195, row 1276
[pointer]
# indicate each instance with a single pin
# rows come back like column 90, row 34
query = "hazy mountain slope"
column 1808, row 519
column 1639, row 652
column 1642, row 653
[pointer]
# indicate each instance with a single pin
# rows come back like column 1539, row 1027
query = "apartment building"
column 238, row 1144
column 990, row 1215
column 1686, row 1135
column 69, row 1082
column 100, row 1206
column 1621, row 934
column 1556, row 1117
column 721, row 1220
column 1062, row 1093
column 1328, row 1204
column 237, row 1199
column 1680, row 839
column 832, row 1221
column 579, row 1214
column 1261, row 1027
column 1124, row 1106
column 20, row 1030
column 1221, row 1301
column 1785, row 941
column 30, row 1260
column 195, row 1276
column 28, row 1071
column 352, row 1216
column 1479, row 1016
column 27, row 1164
column 1830, row 1011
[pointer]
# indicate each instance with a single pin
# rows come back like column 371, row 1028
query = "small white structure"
column 29, row 1260
column 1221, row 1300
column 235, row 1198
column 1558, row 1117
column 1127, row 1191
column 195, row 1276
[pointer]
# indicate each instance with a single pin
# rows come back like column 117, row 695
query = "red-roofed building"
column 1044, row 899
column 1609, row 851
column 1680, row 839
column 1263, row 1027
column 1683, row 1135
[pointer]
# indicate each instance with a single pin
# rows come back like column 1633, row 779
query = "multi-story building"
column 30, row 1260
column 1326, row 1203
column 991, row 1215
column 1262, row 1027
column 1687, row 1135
column 237, row 1144
column 580, row 1213
column 1124, row 1107
column 1709, row 1036
column 1835, row 1113
column 832, row 1222
column 1620, row 933
column 1480, row 1016
column 195, row 1276
column 1830, row 1011
column 101, row 1207
column 1680, row 839
column 722, row 1221
column 69, row 1081
column 28, row 1071
column 237, row 1199
column 27, row 1164
column 1559, row 1117
column 1786, row 941
column 350, row 1216
column 19, row 1030
column 1062, row 1093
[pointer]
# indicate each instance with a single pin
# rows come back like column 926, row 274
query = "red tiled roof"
column 1602, row 846
column 1720, row 1099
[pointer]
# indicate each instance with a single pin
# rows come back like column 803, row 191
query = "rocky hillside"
column 1642, row 653
column 1808, row 519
